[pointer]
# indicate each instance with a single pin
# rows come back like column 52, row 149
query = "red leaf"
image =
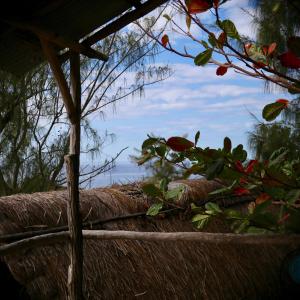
column 283, row 101
column 240, row 191
column 258, row 65
column 222, row 39
column 265, row 50
column 251, row 164
column 262, row 198
column 179, row 144
column 272, row 48
column 199, row 6
column 165, row 40
column 221, row 71
column 284, row 218
column 247, row 47
column 239, row 167
column 243, row 181
column 216, row 3
column 289, row 60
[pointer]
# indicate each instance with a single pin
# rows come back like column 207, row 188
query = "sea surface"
column 122, row 173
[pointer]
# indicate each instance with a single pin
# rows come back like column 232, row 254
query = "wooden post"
column 75, row 274
column 72, row 103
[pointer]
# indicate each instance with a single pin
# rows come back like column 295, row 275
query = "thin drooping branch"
column 101, row 169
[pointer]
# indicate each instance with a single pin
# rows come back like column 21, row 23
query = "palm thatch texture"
column 122, row 269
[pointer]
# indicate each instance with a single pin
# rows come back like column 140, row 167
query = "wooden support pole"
column 60, row 78
column 207, row 238
column 75, row 274
column 73, row 106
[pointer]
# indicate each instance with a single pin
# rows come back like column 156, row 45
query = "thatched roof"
column 130, row 269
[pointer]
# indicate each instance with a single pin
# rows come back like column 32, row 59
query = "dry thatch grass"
column 135, row 269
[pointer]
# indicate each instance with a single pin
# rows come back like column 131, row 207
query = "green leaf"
column 214, row 207
column 215, row 169
column 227, row 144
column 151, row 190
column 212, row 40
column 196, row 208
column 204, row 44
column 223, row 190
column 188, row 21
column 276, row 7
column 154, row 209
column 161, row 150
column 238, row 153
column 149, row 142
column 199, row 217
column 262, row 207
column 203, row 58
column 175, row 193
column 256, row 53
column 200, row 220
column 163, row 185
column 195, row 169
column 292, row 196
column 293, row 222
column 276, row 193
column 257, row 230
column 230, row 29
column 272, row 110
column 177, row 158
column 233, row 214
column 167, row 17
column 264, row 220
column 240, row 225
column 197, row 136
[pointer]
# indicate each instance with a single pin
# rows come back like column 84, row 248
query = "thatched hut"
column 134, row 269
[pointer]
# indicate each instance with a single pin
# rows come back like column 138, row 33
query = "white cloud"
column 195, row 88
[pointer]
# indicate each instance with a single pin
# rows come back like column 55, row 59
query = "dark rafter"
column 57, row 39
column 135, row 3
column 118, row 24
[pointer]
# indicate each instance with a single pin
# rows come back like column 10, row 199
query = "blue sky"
column 192, row 99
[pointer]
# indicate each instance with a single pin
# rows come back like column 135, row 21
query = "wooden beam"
column 118, row 24
column 75, row 274
column 123, row 21
column 135, row 3
column 8, row 238
column 59, row 40
column 59, row 77
column 199, row 237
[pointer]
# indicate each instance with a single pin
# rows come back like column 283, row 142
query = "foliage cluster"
column 273, row 181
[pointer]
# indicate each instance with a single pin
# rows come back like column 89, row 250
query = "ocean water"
column 121, row 174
